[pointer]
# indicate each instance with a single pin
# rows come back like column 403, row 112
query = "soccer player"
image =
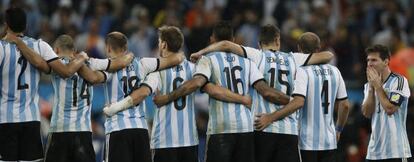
column 385, row 102
column 126, row 130
column 280, row 138
column 230, row 128
column 70, row 137
column 321, row 87
column 19, row 112
column 174, row 133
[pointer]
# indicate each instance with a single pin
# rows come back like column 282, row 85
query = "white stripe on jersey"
column 71, row 110
column 19, row 82
column 279, row 70
column 389, row 136
column 317, row 128
column 237, row 74
column 122, row 83
column 173, row 124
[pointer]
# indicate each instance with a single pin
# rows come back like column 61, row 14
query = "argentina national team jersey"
column 321, row 85
column 389, row 136
column 278, row 69
column 72, row 100
column 237, row 74
column 174, row 124
column 20, row 80
column 119, row 85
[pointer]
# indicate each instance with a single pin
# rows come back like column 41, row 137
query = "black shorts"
column 21, row 141
column 70, row 146
column 275, row 147
column 318, row 156
column 230, row 147
column 391, row 160
column 128, row 145
column 179, row 154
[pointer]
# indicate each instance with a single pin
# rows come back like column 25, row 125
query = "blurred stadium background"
column 344, row 26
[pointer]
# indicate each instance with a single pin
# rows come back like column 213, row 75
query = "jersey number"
column 23, row 62
column 324, row 96
column 232, row 79
column 84, row 92
column 272, row 72
column 176, row 83
column 131, row 82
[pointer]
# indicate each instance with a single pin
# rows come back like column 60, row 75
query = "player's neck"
column 167, row 53
column 385, row 73
column 14, row 33
column 66, row 54
column 116, row 54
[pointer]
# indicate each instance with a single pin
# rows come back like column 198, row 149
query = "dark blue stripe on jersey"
column 180, row 115
column 226, row 113
column 330, row 107
column 316, row 108
column 12, row 82
column 189, row 72
column 168, row 125
column 238, row 106
column 121, row 94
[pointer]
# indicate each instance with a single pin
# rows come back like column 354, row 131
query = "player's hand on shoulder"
column 83, row 55
column 195, row 56
column 129, row 57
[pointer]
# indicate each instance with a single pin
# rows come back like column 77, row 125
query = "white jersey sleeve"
column 203, row 67
column 46, row 52
column 152, row 81
column 301, row 83
column 149, row 65
column 99, row 64
column 301, row 59
column 253, row 54
column 255, row 74
column 341, row 94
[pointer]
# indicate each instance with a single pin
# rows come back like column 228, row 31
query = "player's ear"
column 56, row 50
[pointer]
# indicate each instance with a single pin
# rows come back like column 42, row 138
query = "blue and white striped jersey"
column 389, row 136
column 279, row 70
column 174, row 124
column 20, row 80
column 72, row 100
column 119, row 85
column 237, row 74
column 321, row 85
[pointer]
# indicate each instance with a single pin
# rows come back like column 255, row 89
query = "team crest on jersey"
column 230, row 58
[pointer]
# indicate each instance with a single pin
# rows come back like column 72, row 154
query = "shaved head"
column 117, row 41
column 309, row 43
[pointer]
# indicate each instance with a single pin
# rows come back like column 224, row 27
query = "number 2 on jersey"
column 23, row 62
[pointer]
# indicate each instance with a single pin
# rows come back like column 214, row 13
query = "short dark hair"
column 309, row 42
column 223, row 31
column 117, row 41
column 173, row 36
column 16, row 19
column 64, row 42
column 383, row 51
column 268, row 33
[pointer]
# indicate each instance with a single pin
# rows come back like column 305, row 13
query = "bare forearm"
column 32, row 57
column 368, row 107
column 91, row 76
column 288, row 109
column 140, row 94
column 343, row 111
column 223, row 46
column 223, row 94
column 171, row 60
